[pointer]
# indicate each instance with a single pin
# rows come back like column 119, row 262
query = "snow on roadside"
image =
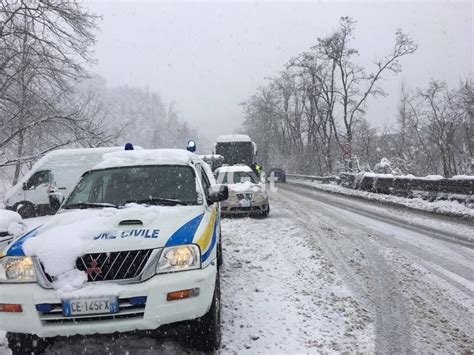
column 452, row 208
column 279, row 294
column 11, row 222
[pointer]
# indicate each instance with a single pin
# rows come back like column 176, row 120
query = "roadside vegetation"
column 315, row 111
column 49, row 99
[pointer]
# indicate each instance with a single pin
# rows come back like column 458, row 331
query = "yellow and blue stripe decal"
column 185, row 234
column 208, row 239
column 16, row 248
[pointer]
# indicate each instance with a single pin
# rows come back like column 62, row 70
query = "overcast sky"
column 209, row 57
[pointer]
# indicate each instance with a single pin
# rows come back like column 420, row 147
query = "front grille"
column 111, row 266
column 244, row 196
column 121, row 265
column 127, row 310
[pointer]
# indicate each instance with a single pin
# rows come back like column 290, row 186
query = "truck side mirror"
column 55, row 200
column 218, row 193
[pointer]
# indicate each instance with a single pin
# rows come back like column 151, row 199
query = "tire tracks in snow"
column 282, row 295
column 368, row 275
column 432, row 277
column 347, row 202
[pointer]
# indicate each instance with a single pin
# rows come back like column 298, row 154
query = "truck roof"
column 211, row 156
column 60, row 157
column 233, row 169
column 146, row 157
column 233, row 138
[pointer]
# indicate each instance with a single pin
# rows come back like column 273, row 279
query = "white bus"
column 236, row 149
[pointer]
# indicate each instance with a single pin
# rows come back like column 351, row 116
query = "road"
column 410, row 270
column 326, row 273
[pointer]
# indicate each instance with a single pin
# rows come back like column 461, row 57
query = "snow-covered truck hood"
column 246, row 186
column 71, row 234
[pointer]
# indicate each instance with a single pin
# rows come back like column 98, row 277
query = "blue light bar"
column 44, row 307
column 136, row 301
column 191, row 146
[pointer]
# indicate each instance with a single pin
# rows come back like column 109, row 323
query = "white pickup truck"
column 135, row 246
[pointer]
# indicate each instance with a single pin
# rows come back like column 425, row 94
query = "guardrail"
column 430, row 188
column 324, row 179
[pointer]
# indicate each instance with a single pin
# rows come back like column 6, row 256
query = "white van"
column 54, row 174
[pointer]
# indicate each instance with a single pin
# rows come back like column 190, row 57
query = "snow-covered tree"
column 43, row 46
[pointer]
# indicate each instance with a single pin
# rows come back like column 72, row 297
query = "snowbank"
column 11, row 223
column 409, row 176
column 463, row 177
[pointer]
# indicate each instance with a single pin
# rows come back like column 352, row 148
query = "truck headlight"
column 17, row 269
column 179, row 258
column 260, row 195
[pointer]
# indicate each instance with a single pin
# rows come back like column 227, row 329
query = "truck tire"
column 25, row 209
column 261, row 215
column 266, row 213
column 20, row 343
column 207, row 329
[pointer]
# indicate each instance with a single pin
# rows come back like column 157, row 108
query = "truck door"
column 36, row 187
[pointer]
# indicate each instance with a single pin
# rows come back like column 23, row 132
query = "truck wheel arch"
column 26, row 209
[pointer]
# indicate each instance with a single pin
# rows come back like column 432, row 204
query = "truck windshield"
column 155, row 184
column 236, row 152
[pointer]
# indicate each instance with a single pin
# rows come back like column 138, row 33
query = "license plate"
column 83, row 306
column 245, row 200
column 245, row 203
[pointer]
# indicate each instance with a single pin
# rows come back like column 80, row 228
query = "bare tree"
column 466, row 100
column 316, row 104
column 439, row 128
column 353, row 84
column 42, row 47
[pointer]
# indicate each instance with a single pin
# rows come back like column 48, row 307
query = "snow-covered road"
column 407, row 269
column 327, row 273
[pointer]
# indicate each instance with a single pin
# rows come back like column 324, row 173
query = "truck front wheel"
column 25, row 209
column 20, row 343
column 207, row 329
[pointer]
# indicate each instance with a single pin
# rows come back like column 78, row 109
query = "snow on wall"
column 453, row 208
column 409, row 176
